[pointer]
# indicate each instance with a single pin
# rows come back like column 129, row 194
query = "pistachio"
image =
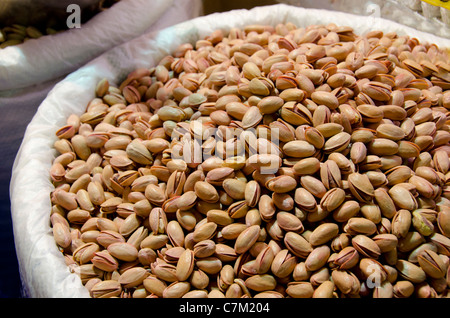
column 235, row 188
column 218, row 175
column 206, row 192
column 337, row 143
column 251, row 118
column 332, row 199
column 175, row 233
column 317, row 258
column 359, row 225
column 323, row 233
column 361, row 187
column 298, row 245
column 283, row 263
column 324, row 290
column 133, row 277
column 422, row 224
column 431, row 264
column 403, row 198
column 107, row 237
column 313, row 185
column 61, row 234
column 261, row 282
column 443, row 222
column 264, row 260
column 386, row 242
column 252, row 193
column 176, row 290
column 366, row 246
column 85, row 253
column 154, row 285
column 410, row 272
column 346, row 211
column 106, row 289
column 281, row 184
column 146, row 256
column 299, row 149
column 307, row 166
column 325, row 98
column 289, row 222
column 246, row 239
column 403, row 289
column 164, row 271
column 346, row 282
column 391, row 132
column 185, row 265
column 330, row 174
column 271, row 104
column 123, row 251
column 300, row 290
column 377, row 90
column 210, row 265
column 347, row 258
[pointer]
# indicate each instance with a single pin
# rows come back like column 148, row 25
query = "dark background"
column 13, row 121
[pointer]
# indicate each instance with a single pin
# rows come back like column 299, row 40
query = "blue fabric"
column 14, row 118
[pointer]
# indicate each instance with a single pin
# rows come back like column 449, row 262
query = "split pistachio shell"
column 298, row 245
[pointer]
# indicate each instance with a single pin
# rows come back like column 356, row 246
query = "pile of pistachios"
column 268, row 161
column 17, row 34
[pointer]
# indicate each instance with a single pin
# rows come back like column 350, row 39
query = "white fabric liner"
column 42, row 266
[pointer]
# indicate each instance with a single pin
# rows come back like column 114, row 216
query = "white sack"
column 49, row 57
column 43, row 270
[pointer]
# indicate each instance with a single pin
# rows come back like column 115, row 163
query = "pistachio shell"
column 246, row 239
